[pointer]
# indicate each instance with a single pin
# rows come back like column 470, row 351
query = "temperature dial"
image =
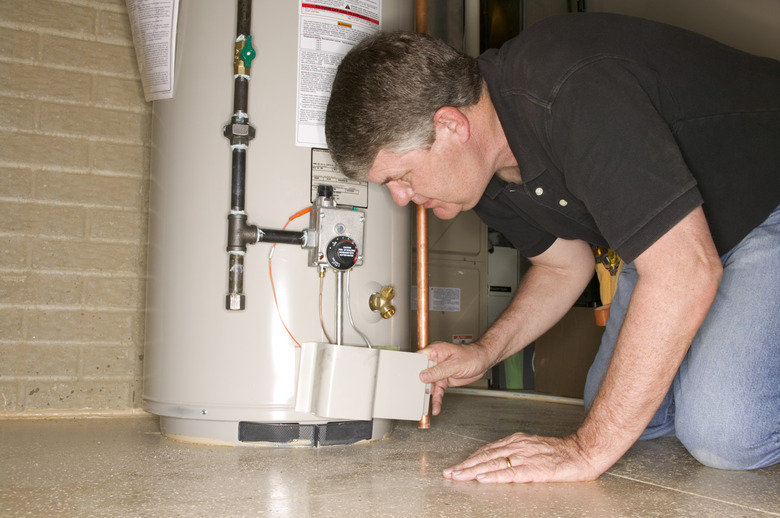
column 342, row 253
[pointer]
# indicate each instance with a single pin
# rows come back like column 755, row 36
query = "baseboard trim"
column 76, row 414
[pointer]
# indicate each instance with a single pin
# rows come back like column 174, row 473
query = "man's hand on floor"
column 531, row 458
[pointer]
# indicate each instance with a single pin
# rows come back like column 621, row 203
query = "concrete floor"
column 124, row 467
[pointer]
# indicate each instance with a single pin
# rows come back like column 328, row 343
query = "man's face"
column 446, row 178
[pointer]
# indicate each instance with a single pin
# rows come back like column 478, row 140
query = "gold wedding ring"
column 508, row 462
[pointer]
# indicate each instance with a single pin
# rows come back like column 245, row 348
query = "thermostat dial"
column 342, row 253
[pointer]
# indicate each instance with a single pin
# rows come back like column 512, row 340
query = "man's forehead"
column 384, row 168
column 389, row 166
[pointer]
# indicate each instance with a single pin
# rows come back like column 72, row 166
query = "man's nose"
column 401, row 192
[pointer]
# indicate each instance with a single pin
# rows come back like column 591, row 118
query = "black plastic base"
column 326, row 434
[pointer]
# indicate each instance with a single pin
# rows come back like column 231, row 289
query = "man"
column 613, row 131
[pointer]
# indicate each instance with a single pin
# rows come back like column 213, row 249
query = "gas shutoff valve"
column 336, row 233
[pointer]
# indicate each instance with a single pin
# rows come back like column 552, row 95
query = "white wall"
column 749, row 25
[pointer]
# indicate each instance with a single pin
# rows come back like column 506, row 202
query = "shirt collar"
column 497, row 185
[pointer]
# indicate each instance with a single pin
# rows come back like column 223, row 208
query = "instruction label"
column 153, row 25
column 439, row 299
column 327, row 30
column 324, row 171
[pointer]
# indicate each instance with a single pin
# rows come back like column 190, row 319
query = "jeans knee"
column 728, row 444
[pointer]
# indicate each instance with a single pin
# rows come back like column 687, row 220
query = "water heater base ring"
column 249, row 433
column 325, row 434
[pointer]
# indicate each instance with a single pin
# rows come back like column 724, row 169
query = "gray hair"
column 386, row 92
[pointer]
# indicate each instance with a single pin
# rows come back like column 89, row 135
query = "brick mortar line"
column 100, row 275
column 72, row 136
column 107, row 377
column 96, row 6
column 60, row 203
column 86, row 71
column 91, row 345
column 88, row 273
column 75, row 170
column 71, row 35
column 75, row 239
column 76, row 414
column 53, row 378
column 75, row 307
column 28, row 96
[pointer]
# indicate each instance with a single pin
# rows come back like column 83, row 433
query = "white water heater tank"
column 220, row 376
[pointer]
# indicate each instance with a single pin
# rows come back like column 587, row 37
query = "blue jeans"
column 724, row 402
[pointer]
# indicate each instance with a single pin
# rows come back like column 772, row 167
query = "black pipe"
column 240, row 95
column 239, row 132
column 241, row 81
column 241, row 234
column 244, row 17
column 287, row 237
column 238, row 180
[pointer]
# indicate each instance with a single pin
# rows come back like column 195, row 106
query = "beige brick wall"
column 74, row 175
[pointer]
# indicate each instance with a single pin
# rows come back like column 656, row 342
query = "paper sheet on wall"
column 439, row 299
column 345, row 190
column 327, row 30
column 153, row 23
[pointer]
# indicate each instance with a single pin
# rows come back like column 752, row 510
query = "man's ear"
column 453, row 121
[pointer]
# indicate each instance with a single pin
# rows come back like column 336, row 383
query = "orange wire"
column 271, row 275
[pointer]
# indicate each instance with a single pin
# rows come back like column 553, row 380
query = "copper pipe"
column 423, row 336
column 421, row 16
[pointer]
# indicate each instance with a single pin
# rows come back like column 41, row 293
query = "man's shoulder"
column 548, row 51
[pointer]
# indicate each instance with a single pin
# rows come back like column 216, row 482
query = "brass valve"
column 244, row 54
column 382, row 302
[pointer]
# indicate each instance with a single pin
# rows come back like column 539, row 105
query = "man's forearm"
column 661, row 322
column 539, row 304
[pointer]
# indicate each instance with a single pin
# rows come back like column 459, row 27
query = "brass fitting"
column 244, row 54
column 382, row 302
column 238, row 65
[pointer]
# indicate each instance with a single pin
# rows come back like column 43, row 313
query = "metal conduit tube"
column 423, row 336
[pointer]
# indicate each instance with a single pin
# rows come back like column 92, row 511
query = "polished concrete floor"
column 124, row 467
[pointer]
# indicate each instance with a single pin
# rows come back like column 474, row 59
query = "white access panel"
column 361, row 383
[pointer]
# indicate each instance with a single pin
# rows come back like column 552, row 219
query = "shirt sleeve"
column 619, row 155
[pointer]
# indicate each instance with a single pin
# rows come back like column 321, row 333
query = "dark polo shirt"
column 622, row 126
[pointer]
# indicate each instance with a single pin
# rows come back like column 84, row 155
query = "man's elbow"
column 708, row 275
column 714, row 270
